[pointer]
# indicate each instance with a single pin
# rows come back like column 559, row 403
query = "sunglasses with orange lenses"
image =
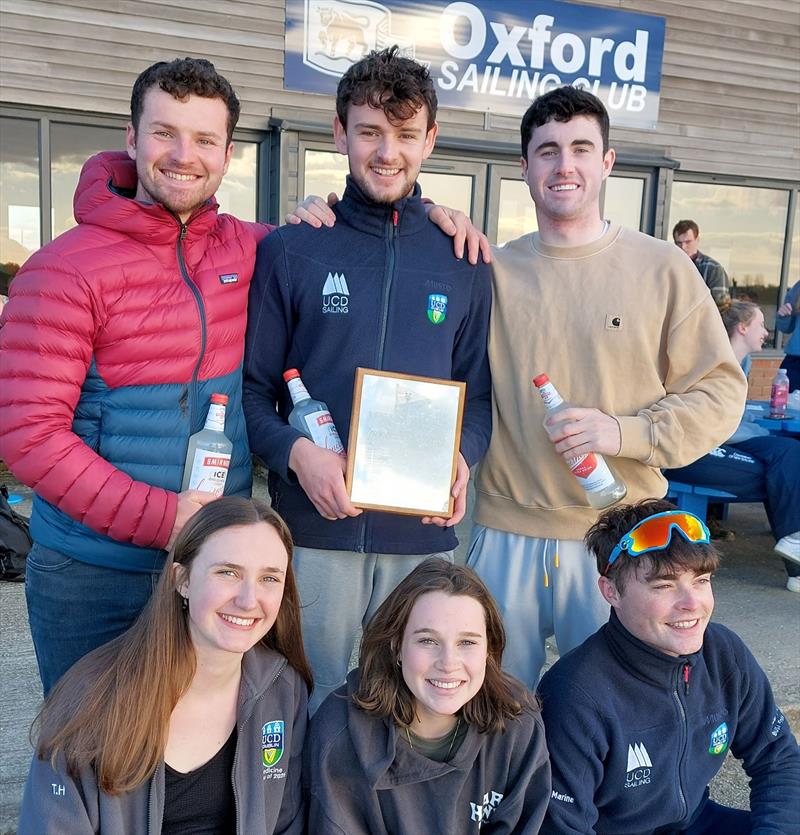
column 655, row 533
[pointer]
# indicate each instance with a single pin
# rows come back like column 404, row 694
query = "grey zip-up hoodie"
column 361, row 779
column 268, row 797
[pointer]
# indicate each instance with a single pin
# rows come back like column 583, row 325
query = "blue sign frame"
column 483, row 57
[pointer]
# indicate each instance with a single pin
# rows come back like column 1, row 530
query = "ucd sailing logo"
column 639, row 766
column 437, row 308
column 272, row 742
column 335, row 294
column 719, row 740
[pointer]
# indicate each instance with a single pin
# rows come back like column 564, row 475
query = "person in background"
column 193, row 719
column 652, row 384
column 686, row 234
column 404, row 304
column 428, row 735
column 640, row 717
column 752, row 462
column 786, row 320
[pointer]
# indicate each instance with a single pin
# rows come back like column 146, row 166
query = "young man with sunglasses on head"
column 640, row 716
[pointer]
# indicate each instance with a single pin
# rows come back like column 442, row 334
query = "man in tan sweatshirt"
column 629, row 334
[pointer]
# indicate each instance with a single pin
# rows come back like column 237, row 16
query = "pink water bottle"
column 780, row 394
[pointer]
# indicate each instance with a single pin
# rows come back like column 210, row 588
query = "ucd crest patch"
column 272, row 742
column 437, row 308
column 719, row 740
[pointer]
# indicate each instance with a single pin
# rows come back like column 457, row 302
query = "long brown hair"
column 382, row 689
column 111, row 710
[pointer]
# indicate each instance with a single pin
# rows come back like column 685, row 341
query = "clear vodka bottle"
column 311, row 417
column 208, row 457
column 602, row 487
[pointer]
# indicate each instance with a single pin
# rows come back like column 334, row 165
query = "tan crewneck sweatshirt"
column 624, row 324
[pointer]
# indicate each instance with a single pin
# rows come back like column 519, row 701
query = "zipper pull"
column 183, row 231
column 395, row 218
column 685, row 679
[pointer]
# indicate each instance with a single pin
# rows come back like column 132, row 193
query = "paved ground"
column 751, row 599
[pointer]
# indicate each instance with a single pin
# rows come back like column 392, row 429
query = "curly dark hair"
column 398, row 86
column 382, row 690
column 181, row 78
column 562, row 105
column 677, row 557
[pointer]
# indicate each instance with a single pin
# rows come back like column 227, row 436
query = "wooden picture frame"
column 402, row 451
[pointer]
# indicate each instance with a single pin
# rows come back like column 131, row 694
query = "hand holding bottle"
column 321, row 475
column 189, row 502
column 578, row 431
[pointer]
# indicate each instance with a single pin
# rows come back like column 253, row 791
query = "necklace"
column 452, row 739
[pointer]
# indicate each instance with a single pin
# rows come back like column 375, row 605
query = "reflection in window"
column 237, row 192
column 70, row 147
column 452, row 190
column 20, row 231
column 741, row 227
column 623, row 201
column 516, row 214
column 325, row 171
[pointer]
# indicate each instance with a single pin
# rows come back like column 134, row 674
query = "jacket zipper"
column 676, row 694
column 202, row 312
column 392, row 229
column 239, row 730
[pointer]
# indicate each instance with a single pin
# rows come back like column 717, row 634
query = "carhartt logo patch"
column 335, row 294
column 719, row 740
column 437, row 308
column 272, row 742
column 229, row 278
column 613, row 322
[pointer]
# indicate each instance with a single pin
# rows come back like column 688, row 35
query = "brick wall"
column 761, row 376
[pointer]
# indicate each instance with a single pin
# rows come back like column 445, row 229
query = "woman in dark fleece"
column 428, row 735
column 193, row 720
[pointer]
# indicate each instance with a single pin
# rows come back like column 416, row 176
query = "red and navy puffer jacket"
column 114, row 338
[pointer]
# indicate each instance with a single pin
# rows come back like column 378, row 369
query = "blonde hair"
column 737, row 313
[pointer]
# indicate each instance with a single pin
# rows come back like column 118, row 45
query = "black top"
column 201, row 802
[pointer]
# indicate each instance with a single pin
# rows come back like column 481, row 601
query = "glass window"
column 743, row 228
column 623, row 201
column 325, row 171
column 20, row 229
column 237, row 192
column 452, row 190
column 516, row 214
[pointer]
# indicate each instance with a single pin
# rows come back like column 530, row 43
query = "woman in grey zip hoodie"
column 211, row 682
column 428, row 735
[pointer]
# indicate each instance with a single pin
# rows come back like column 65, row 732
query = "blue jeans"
column 74, row 607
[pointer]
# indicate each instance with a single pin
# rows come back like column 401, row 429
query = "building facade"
column 724, row 148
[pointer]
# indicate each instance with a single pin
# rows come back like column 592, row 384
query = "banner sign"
column 491, row 55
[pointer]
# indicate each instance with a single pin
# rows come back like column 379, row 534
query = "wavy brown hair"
column 735, row 312
column 111, row 710
column 382, row 690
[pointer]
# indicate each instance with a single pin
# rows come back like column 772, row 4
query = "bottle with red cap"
column 208, row 457
column 311, row 417
column 602, row 487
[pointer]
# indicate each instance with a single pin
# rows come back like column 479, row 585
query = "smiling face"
column 384, row 158
column 181, row 150
column 234, row 588
column 669, row 613
column 754, row 333
column 443, row 658
column 565, row 170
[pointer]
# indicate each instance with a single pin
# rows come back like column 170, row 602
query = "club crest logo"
column 340, row 32
column 437, row 308
column 719, row 740
column 272, row 742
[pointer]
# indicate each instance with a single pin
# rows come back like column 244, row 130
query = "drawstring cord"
column 544, row 561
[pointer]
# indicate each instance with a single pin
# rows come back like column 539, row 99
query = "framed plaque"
column 404, row 440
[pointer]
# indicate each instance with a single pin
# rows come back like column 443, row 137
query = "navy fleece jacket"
column 635, row 735
column 326, row 301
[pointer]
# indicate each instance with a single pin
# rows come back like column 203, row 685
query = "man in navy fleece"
column 640, row 716
column 380, row 289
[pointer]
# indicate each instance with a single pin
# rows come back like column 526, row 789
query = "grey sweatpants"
column 544, row 587
column 339, row 592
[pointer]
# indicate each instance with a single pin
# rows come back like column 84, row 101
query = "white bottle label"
column 592, row 472
column 297, row 391
column 323, row 431
column 552, row 399
column 209, row 471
